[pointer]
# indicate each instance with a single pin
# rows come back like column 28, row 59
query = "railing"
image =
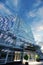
column 2, row 61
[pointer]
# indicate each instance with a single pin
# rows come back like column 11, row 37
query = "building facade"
column 14, row 36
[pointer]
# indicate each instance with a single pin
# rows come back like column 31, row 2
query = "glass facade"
column 17, row 56
column 16, row 26
column 14, row 35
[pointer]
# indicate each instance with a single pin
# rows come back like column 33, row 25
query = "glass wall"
column 17, row 56
column 10, row 57
column 2, row 56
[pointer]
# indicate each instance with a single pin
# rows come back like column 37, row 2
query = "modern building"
column 16, row 39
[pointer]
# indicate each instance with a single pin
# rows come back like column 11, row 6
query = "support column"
column 6, row 57
column 22, row 53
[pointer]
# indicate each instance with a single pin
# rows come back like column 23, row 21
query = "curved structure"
column 14, row 36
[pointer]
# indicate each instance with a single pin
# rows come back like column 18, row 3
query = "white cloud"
column 15, row 2
column 31, row 14
column 36, row 13
column 40, row 28
column 8, row 11
column 37, row 3
column 4, row 9
column 41, row 47
column 1, row 6
column 38, row 31
column 37, row 24
column 40, row 12
column 37, row 37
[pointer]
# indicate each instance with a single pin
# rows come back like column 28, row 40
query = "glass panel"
column 2, row 56
column 17, row 56
column 10, row 57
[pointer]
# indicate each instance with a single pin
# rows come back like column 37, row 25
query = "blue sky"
column 31, row 11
